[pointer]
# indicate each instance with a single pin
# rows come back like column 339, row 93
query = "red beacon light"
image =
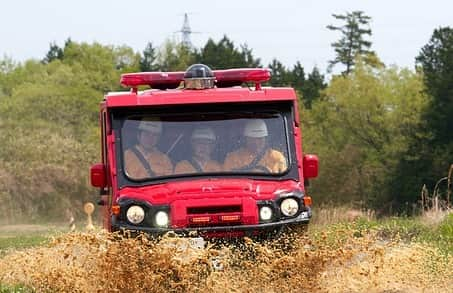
column 157, row 80
column 194, row 78
column 236, row 77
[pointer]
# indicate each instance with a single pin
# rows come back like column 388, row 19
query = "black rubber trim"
column 265, row 226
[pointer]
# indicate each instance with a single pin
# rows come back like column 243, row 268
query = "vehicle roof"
column 206, row 96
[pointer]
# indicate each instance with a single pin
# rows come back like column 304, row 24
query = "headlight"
column 135, row 214
column 161, row 219
column 265, row 213
column 289, row 207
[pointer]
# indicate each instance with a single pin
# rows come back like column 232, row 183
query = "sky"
column 288, row 30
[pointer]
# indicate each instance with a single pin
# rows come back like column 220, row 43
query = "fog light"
column 289, row 207
column 161, row 219
column 265, row 213
column 135, row 214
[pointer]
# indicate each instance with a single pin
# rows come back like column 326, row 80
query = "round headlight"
column 135, row 214
column 289, row 207
column 161, row 219
column 265, row 213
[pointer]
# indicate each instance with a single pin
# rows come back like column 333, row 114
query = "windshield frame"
column 284, row 109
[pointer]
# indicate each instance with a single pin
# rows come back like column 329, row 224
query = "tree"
column 309, row 88
column 99, row 65
column 126, row 60
column 149, row 58
column 297, row 76
column 431, row 152
column 247, row 57
column 436, row 59
column 352, row 42
column 224, row 54
column 55, row 52
column 174, row 56
column 362, row 127
column 312, row 87
column 280, row 76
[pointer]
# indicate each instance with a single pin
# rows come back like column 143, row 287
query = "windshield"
column 197, row 144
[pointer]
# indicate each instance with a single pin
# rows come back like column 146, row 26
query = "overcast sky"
column 289, row 30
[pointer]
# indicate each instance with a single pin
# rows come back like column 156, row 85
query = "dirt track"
column 335, row 261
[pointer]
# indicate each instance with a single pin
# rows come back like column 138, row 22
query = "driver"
column 202, row 142
column 144, row 160
column 255, row 155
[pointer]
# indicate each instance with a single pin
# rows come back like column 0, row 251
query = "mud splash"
column 332, row 261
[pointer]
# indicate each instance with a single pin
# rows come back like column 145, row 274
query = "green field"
column 13, row 237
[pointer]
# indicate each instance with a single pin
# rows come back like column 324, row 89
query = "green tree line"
column 381, row 132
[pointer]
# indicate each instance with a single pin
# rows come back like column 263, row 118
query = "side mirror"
column 98, row 176
column 310, row 166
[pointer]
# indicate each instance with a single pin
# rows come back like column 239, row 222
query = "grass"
column 15, row 289
column 18, row 242
column 21, row 236
column 407, row 229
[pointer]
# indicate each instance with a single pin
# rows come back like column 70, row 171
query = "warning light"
column 156, row 80
column 235, row 77
column 172, row 80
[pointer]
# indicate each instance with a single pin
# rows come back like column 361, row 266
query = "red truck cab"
column 152, row 182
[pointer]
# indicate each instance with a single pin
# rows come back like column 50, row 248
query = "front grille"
column 214, row 209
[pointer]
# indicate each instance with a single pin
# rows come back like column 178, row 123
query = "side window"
column 104, row 137
column 105, row 191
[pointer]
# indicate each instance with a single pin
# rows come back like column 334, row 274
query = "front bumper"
column 247, row 229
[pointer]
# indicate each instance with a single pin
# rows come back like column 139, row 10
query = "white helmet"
column 255, row 128
column 203, row 133
column 153, row 126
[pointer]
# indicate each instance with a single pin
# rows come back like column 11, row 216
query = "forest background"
column 381, row 132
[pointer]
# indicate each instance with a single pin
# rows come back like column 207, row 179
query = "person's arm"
column 133, row 166
column 229, row 163
column 168, row 166
column 279, row 164
column 184, row 167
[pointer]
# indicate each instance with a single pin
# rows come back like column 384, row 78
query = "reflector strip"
column 201, row 219
column 230, row 218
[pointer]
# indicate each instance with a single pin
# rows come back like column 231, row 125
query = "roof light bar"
column 171, row 80
column 156, row 80
column 234, row 77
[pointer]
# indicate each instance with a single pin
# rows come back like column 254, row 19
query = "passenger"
column 255, row 155
column 202, row 142
column 144, row 160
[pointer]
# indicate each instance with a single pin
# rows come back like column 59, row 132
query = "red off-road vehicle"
column 141, row 189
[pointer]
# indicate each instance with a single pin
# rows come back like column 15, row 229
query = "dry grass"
column 340, row 214
column 434, row 217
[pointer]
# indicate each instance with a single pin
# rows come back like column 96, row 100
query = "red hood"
column 207, row 188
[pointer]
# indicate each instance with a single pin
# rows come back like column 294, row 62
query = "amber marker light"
column 201, row 219
column 116, row 210
column 230, row 218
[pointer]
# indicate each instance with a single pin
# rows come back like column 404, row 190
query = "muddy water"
column 332, row 261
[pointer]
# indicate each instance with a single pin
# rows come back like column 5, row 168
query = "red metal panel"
column 183, row 97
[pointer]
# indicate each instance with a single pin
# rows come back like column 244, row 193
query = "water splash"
column 331, row 261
